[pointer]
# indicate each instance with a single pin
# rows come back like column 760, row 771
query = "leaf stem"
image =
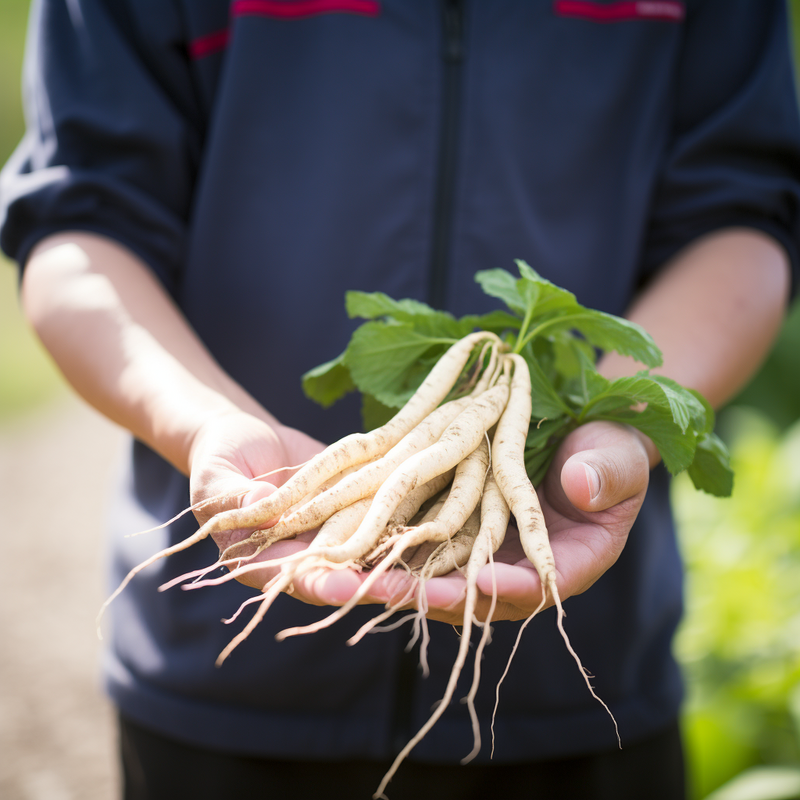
column 547, row 323
column 521, row 337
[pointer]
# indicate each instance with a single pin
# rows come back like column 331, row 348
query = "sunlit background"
column 740, row 644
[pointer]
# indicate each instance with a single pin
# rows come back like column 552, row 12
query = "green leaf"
column 541, row 444
column 328, row 382
column 655, row 390
column 546, row 403
column 571, row 355
column 677, row 447
column 557, row 309
column 591, row 383
column 711, row 471
column 698, row 409
column 537, row 462
column 605, row 332
column 709, row 415
column 610, row 333
column 374, row 413
column 501, row 284
column 442, row 327
column 540, row 432
column 545, row 298
column 382, row 357
column 495, row 321
column 528, row 273
column 374, row 305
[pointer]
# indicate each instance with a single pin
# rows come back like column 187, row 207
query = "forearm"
column 123, row 345
column 714, row 311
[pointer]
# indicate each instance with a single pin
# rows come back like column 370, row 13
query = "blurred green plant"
column 13, row 19
column 740, row 641
column 762, row 783
column 27, row 376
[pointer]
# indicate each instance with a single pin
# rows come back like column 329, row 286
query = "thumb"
column 262, row 489
column 602, row 477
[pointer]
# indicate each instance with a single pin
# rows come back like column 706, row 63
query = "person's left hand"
column 588, row 519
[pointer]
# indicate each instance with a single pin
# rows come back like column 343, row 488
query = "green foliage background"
column 27, row 377
column 740, row 643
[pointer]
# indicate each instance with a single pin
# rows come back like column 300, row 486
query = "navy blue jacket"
column 264, row 156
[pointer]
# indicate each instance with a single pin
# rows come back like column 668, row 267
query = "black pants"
column 156, row 768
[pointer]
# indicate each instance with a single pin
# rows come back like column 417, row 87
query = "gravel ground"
column 57, row 738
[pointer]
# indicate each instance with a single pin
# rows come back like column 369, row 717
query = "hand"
column 590, row 497
column 236, row 460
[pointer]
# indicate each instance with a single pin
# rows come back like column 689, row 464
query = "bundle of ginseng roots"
column 432, row 490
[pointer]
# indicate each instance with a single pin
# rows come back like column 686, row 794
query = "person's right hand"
column 229, row 455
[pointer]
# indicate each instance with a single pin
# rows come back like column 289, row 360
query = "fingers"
column 335, row 587
column 239, row 491
column 259, row 490
column 223, row 494
column 326, row 587
column 609, row 464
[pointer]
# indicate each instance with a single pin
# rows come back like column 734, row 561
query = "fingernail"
column 593, row 480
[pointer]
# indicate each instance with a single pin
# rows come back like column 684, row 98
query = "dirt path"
column 57, row 739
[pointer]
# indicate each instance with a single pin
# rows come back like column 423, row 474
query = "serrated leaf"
column 390, row 354
column 328, row 382
column 442, row 326
column 701, row 415
column 541, row 431
column 546, row 403
column 372, row 305
column 571, row 355
column 381, row 356
column 548, row 299
column 606, row 332
column 501, row 284
column 592, row 384
column 557, row 309
column 709, row 416
column 527, row 272
column 426, row 320
column 710, row 470
column 654, row 390
column 677, row 448
column 496, row 321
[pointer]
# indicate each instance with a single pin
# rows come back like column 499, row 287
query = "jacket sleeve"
column 112, row 135
column 734, row 158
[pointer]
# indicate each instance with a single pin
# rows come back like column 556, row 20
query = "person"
column 200, row 183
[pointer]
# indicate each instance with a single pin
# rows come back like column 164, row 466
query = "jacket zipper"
column 453, row 56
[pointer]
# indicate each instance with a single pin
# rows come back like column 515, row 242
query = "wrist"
column 176, row 426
